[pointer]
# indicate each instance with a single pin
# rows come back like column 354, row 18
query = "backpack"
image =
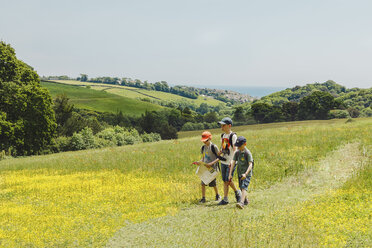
column 230, row 141
column 213, row 148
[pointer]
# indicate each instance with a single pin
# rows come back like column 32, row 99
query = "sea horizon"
column 255, row 91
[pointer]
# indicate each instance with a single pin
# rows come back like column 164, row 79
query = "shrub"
column 61, row 144
column 77, row 142
column 367, row 112
column 83, row 140
column 339, row 114
column 150, row 137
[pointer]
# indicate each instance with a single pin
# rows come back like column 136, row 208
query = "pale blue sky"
column 242, row 43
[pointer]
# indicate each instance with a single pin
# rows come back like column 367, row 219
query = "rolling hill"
column 102, row 101
column 136, row 93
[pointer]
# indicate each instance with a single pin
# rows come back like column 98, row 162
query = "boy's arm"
column 232, row 166
column 248, row 170
column 210, row 164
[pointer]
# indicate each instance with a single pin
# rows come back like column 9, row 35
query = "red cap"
column 206, row 136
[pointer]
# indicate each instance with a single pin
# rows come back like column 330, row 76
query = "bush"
column 61, row 144
column 83, row 140
column 339, row 114
column 367, row 112
column 150, row 137
column 77, row 142
column 189, row 126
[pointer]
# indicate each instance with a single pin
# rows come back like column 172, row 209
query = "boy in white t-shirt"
column 228, row 139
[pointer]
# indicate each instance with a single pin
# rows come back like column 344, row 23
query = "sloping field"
column 102, row 101
column 311, row 188
column 132, row 92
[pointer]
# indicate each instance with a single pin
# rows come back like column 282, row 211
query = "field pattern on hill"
column 100, row 100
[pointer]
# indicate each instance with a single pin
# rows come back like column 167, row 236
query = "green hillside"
column 137, row 93
column 146, row 195
column 338, row 91
column 102, row 101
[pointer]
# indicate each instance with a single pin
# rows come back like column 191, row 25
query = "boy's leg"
column 225, row 179
column 236, row 191
column 215, row 190
column 244, row 195
column 203, row 190
column 232, row 185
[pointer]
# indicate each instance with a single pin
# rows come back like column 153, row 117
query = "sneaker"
column 238, row 195
column 202, row 200
column 240, row 205
column 246, row 202
column 218, row 198
column 223, row 202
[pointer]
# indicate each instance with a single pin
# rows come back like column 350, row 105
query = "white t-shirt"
column 226, row 148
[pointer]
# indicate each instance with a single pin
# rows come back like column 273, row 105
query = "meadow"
column 311, row 187
column 102, row 101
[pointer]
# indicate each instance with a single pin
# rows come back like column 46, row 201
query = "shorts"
column 225, row 170
column 243, row 184
column 211, row 184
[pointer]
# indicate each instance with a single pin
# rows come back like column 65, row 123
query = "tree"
column 63, row 111
column 27, row 121
column 211, row 117
column 290, row 110
column 239, row 114
column 260, row 111
column 203, row 108
column 316, row 106
column 83, row 77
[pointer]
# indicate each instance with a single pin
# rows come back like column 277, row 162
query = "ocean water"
column 257, row 91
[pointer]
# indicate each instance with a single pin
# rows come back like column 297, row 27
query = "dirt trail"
column 199, row 221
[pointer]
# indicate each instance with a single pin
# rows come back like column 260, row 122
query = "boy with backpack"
column 244, row 161
column 228, row 139
column 210, row 159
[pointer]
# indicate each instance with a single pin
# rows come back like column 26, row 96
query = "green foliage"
column 367, row 112
column 338, row 113
column 316, row 106
column 265, row 113
column 211, row 117
column 27, row 121
column 150, row 137
column 290, row 111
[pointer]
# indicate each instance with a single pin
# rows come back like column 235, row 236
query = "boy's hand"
column 209, row 165
column 243, row 176
column 230, row 178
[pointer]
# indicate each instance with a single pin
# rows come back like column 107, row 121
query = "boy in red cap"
column 210, row 158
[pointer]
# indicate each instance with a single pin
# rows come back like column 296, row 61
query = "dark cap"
column 225, row 120
column 240, row 141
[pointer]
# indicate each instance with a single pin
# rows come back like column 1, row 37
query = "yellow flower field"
column 51, row 208
column 80, row 199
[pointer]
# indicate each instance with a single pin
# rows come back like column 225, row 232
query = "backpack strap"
column 214, row 149
column 230, row 139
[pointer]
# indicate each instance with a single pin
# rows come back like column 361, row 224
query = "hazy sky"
column 196, row 42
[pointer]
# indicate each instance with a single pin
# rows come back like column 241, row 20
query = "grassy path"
column 267, row 222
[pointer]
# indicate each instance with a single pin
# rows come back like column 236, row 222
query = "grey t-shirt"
column 241, row 161
column 208, row 155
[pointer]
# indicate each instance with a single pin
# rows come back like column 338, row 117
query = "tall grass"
column 81, row 198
